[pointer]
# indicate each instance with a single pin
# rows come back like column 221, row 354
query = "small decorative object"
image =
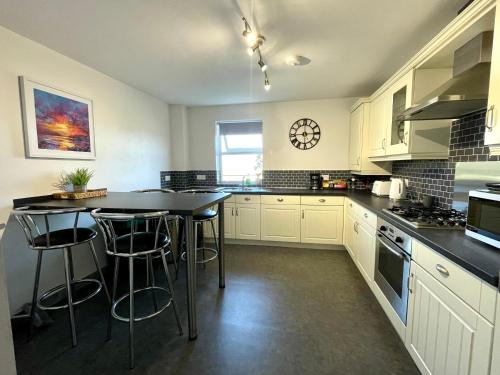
column 305, row 134
column 57, row 124
column 80, row 178
column 64, row 182
column 91, row 193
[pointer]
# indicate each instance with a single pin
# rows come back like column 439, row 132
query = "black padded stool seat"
column 205, row 215
column 64, row 237
column 143, row 241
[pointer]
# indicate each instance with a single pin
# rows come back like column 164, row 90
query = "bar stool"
column 171, row 219
column 207, row 216
column 131, row 246
column 65, row 240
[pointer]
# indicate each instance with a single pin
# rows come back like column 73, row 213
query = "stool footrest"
column 214, row 255
column 143, row 317
column 62, row 287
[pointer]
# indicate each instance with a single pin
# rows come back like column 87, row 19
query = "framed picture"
column 57, row 124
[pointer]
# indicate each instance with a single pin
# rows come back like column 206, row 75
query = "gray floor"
column 284, row 311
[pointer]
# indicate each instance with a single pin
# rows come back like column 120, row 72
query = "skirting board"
column 285, row 244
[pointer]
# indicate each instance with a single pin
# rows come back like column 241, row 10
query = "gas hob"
column 418, row 216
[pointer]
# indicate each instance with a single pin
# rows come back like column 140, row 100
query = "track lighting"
column 254, row 40
column 267, row 85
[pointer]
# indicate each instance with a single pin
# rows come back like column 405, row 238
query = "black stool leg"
column 215, row 236
column 113, row 296
column 203, row 244
column 149, row 259
column 171, row 289
column 103, row 281
column 35, row 294
column 131, row 311
column 71, row 311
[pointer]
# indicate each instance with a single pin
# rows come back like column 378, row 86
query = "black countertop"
column 475, row 256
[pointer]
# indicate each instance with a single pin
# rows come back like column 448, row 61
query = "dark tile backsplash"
column 436, row 177
column 433, row 177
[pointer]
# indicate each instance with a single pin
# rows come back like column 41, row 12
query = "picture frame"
column 57, row 124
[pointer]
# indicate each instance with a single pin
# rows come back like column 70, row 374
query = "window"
column 239, row 151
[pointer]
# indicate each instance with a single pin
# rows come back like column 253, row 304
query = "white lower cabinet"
column 349, row 236
column 322, row 224
column 230, row 220
column 247, row 221
column 364, row 243
column 444, row 334
column 280, row 222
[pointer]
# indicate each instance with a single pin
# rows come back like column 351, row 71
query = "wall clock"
column 304, row 134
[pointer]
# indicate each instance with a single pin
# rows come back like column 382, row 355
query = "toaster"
column 381, row 187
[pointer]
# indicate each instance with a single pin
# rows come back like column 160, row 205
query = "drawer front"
column 280, row 199
column 248, row 198
column 366, row 216
column 458, row 280
column 322, row 200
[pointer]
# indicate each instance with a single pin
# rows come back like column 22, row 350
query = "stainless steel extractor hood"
column 466, row 92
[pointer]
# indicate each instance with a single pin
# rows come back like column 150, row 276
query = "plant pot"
column 80, row 188
column 68, row 188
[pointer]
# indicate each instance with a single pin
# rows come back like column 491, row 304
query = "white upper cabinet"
column 492, row 134
column 378, row 128
column 359, row 143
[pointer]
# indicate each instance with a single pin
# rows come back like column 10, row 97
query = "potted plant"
column 63, row 182
column 80, row 178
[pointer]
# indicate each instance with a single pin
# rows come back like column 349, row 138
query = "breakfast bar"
column 183, row 204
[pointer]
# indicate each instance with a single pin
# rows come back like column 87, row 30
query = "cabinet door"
column 492, row 134
column 378, row 126
column 322, row 224
column 444, row 335
column 349, row 236
column 355, row 138
column 280, row 222
column 248, row 221
column 365, row 250
column 400, row 96
column 229, row 220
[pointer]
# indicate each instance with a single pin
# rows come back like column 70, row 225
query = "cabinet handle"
column 356, row 227
column 302, row 214
column 442, row 270
column 350, row 204
column 322, row 200
column 236, row 211
column 489, row 118
column 365, row 215
column 384, row 143
column 232, row 211
column 247, row 198
column 280, row 199
column 410, row 282
column 405, row 138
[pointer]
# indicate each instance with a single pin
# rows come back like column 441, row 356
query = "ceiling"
column 192, row 52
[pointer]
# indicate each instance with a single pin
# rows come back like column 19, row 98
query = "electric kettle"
column 397, row 190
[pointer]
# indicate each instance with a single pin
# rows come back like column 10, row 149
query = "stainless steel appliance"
column 392, row 265
column 483, row 217
column 467, row 91
column 315, row 181
column 418, row 216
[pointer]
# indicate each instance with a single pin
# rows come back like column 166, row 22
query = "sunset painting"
column 61, row 123
column 57, row 124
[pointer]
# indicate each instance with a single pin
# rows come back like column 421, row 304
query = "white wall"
column 179, row 137
column 331, row 152
column 132, row 143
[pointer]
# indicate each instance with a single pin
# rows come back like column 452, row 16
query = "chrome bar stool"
column 133, row 245
column 65, row 240
column 207, row 216
column 173, row 220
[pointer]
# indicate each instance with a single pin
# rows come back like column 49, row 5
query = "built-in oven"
column 392, row 266
column 483, row 216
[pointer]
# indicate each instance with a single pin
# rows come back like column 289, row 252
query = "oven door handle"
column 389, row 247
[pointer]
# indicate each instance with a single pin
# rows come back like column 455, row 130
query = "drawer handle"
column 442, row 270
column 247, row 199
column 322, row 200
column 280, row 199
column 365, row 215
column 350, row 204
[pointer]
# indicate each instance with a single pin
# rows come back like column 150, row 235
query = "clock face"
column 304, row 134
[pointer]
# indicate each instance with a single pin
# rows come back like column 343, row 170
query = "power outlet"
column 326, row 177
column 166, row 178
column 201, row 177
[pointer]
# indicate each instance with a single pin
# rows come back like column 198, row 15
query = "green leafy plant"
column 81, row 176
column 63, row 182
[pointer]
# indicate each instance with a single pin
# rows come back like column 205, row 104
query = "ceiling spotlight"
column 251, row 50
column 262, row 65
column 267, row 85
column 250, row 38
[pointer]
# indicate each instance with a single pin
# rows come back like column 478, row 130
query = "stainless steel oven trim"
column 400, row 304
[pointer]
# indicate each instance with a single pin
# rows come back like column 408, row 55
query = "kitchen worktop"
column 477, row 257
